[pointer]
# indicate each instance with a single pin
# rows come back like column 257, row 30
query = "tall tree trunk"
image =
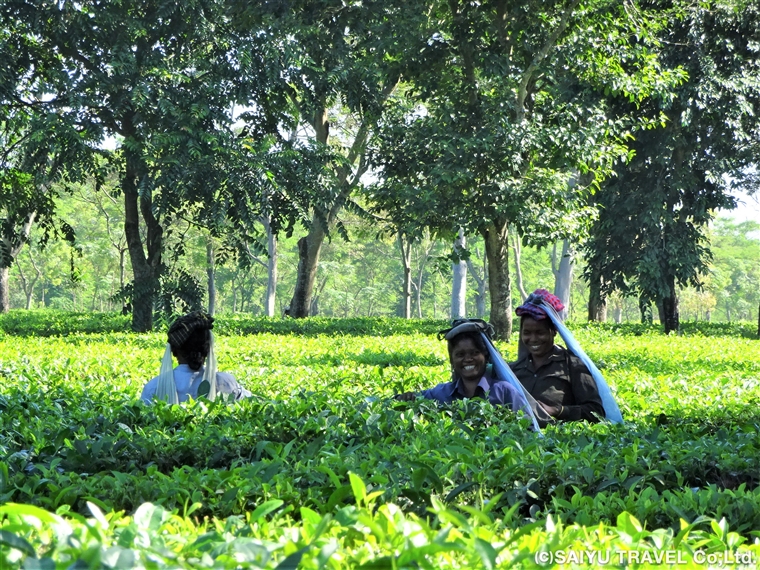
column 563, row 275
column 5, row 297
column 146, row 268
column 518, row 266
column 211, row 275
column 37, row 277
column 96, row 291
column 309, row 248
column 671, row 317
column 645, row 308
column 269, row 302
column 423, row 259
column 30, row 295
column 122, row 267
column 496, row 236
column 406, row 261
column 314, row 305
column 597, row 304
column 481, row 282
column 27, row 284
column 459, row 279
column 346, row 178
column 758, row 320
column 11, row 249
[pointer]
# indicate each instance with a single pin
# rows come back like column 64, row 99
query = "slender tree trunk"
column 122, row 267
column 8, row 253
column 11, row 250
column 758, row 320
column 424, row 257
column 5, row 297
column 314, row 305
column 96, row 291
column 645, row 308
column 518, row 266
column 146, row 268
column 211, row 275
column 563, row 276
column 271, row 270
column 670, row 314
column 496, row 236
column 406, row 261
column 30, row 296
column 597, row 304
column 37, row 277
column 480, row 281
column 459, row 279
column 435, row 301
column 27, row 284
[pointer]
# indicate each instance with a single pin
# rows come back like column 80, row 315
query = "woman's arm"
column 588, row 404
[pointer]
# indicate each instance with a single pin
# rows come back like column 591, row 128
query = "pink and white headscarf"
column 532, row 305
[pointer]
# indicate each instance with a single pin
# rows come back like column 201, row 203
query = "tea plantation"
column 323, row 469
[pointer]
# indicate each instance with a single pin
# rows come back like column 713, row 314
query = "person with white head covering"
column 191, row 342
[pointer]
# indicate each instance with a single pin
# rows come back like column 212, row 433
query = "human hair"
column 475, row 337
column 195, row 349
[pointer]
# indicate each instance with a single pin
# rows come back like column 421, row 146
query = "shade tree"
column 336, row 67
column 650, row 237
column 41, row 143
column 507, row 102
column 158, row 76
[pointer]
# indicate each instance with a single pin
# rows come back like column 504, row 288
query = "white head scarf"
column 178, row 333
column 166, row 389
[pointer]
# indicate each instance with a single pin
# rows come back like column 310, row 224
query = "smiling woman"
column 557, row 379
column 470, row 378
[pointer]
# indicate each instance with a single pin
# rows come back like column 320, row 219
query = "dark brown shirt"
column 563, row 381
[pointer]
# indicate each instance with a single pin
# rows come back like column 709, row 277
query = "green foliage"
column 42, row 323
column 323, row 467
column 651, row 234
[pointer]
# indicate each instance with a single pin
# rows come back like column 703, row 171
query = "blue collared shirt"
column 499, row 393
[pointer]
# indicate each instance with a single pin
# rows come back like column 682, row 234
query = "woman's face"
column 467, row 360
column 538, row 336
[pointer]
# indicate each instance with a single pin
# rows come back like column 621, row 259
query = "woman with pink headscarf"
column 557, row 379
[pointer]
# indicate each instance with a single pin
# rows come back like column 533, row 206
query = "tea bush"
column 323, row 468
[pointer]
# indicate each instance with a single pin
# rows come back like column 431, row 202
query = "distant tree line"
column 356, row 278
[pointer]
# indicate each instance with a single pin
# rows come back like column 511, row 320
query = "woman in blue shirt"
column 469, row 358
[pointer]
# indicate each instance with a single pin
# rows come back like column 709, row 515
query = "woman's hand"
column 405, row 397
column 553, row 411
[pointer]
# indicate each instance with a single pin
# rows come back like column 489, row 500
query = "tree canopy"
column 651, row 232
column 508, row 103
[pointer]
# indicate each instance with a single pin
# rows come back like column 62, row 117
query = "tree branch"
column 522, row 90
